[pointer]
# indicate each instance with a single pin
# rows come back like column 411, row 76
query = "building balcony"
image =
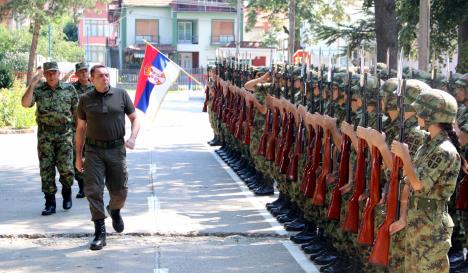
column 140, row 39
column 192, row 41
column 222, row 39
column 203, row 6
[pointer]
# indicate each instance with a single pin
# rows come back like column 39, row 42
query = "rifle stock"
column 282, row 141
column 266, row 133
column 318, row 198
column 334, row 210
column 250, row 116
column 310, row 139
column 292, row 169
column 380, row 251
column 351, row 221
column 207, row 98
column 310, row 174
column 366, row 231
column 240, row 123
column 271, row 145
column 284, row 162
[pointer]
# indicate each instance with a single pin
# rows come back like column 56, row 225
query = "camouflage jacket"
column 83, row 88
column 55, row 107
column 437, row 165
column 413, row 135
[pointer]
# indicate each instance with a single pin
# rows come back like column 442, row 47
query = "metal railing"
column 140, row 39
column 193, row 40
column 129, row 79
column 222, row 39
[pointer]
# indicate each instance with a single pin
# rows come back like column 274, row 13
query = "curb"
column 4, row 131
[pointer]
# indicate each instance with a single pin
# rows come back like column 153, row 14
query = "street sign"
column 300, row 55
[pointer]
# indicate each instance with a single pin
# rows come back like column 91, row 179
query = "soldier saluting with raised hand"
column 56, row 103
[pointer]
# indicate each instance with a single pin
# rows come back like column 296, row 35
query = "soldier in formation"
column 334, row 142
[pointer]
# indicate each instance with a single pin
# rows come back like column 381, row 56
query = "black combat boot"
column 49, row 204
column 67, row 198
column 99, row 240
column 80, row 193
column 117, row 221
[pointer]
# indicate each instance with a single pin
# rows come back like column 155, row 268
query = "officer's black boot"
column 99, row 240
column 67, row 198
column 80, row 193
column 49, row 204
column 117, row 221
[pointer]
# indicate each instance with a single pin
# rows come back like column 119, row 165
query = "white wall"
column 204, row 47
column 161, row 14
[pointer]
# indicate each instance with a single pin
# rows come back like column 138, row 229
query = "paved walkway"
column 186, row 210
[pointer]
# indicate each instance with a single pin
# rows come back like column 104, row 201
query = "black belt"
column 105, row 144
column 55, row 129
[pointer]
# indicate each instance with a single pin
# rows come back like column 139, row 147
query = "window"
column 222, row 31
column 96, row 28
column 146, row 30
column 184, row 30
column 96, row 54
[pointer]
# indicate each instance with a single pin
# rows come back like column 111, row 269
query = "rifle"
column 272, row 141
column 240, row 123
column 380, row 251
column 310, row 173
column 250, row 116
column 284, row 162
column 351, row 221
column 262, row 147
column 343, row 173
column 461, row 201
column 298, row 149
column 284, row 123
column 366, row 232
column 318, row 198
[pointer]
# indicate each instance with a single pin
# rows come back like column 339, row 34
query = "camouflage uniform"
column 429, row 226
column 80, row 89
column 55, row 120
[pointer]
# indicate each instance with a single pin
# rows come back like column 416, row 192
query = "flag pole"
column 183, row 70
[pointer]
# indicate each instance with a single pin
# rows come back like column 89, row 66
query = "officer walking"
column 56, row 104
column 82, row 86
column 101, row 119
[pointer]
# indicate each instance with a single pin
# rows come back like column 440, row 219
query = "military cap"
column 387, row 91
column 50, row 66
column 435, row 106
column 339, row 79
column 80, row 66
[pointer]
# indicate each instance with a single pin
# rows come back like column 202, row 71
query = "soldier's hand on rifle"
column 346, row 188
column 376, row 138
column 397, row 226
column 401, row 150
column 363, row 197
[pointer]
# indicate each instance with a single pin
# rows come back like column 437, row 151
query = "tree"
column 42, row 12
column 310, row 12
column 71, row 32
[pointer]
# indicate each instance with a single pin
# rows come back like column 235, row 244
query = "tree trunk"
column 386, row 29
column 32, row 51
column 292, row 29
column 424, row 28
column 462, row 66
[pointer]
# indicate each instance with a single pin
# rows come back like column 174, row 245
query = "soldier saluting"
column 56, row 103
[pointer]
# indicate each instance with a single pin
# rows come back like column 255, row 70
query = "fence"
column 129, row 78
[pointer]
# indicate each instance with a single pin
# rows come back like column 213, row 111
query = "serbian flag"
column 157, row 74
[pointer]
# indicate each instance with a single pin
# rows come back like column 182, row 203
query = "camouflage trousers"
column 427, row 241
column 55, row 150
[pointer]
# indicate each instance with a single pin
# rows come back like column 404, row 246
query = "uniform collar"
column 109, row 92
column 438, row 139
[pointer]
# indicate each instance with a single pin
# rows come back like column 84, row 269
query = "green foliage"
column 358, row 34
column 269, row 40
column 12, row 113
column 71, row 32
column 6, row 78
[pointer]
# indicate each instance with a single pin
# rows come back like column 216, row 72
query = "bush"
column 12, row 113
column 6, row 78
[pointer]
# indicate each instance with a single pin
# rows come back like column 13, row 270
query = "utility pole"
column 292, row 29
column 239, row 25
column 424, row 34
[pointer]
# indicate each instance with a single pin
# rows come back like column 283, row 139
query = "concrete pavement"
column 186, row 211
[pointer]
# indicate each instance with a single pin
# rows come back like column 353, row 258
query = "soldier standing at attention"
column 56, row 105
column 82, row 86
column 432, row 177
column 101, row 119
